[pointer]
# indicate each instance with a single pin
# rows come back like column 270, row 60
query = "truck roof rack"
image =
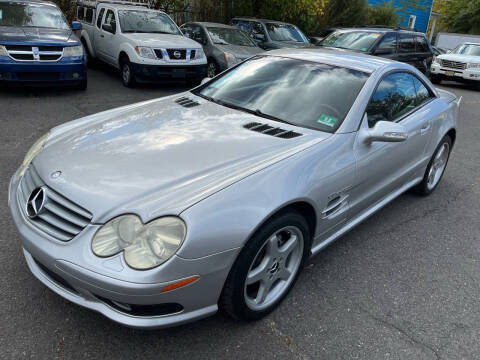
column 389, row 27
column 95, row 3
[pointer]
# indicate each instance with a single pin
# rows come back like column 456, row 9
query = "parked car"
column 157, row 213
column 270, row 34
column 462, row 64
column 438, row 51
column 224, row 45
column 316, row 40
column 37, row 45
column 145, row 44
column 398, row 44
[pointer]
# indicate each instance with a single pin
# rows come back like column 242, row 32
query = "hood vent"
column 186, row 102
column 272, row 131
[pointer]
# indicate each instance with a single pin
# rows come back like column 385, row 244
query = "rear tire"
column 267, row 267
column 128, row 77
column 436, row 168
column 435, row 79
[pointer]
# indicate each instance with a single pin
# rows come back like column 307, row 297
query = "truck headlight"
column 145, row 246
column 199, row 54
column 36, row 148
column 145, row 52
column 473, row 65
column 3, row 51
column 71, row 51
column 435, row 61
column 230, row 59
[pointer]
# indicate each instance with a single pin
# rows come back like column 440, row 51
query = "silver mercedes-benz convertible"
column 159, row 213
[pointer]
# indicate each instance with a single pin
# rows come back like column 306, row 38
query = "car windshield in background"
column 31, row 15
column 353, row 40
column 285, row 32
column 138, row 21
column 302, row 93
column 228, row 36
column 467, row 49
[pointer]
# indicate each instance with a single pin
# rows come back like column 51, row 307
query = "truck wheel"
column 128, row 78
column 212, row 68
column 435, row 79
column 83, row 84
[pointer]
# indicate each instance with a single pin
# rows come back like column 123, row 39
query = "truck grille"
column 57, row 216
column 177, row 54
column 32, row 53
column 454, row 64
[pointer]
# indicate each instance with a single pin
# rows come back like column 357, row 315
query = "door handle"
column 425, row 128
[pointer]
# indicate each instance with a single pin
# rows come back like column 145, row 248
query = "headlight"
column 145, row 246
column 145, row 52
column 231, row 59
column 199, row 54
column 3, row 51
column 36, row 148
column 435, row 60
column 71, row 51
column 473, row 65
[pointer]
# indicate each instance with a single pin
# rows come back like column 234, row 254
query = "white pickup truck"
column 144, row 44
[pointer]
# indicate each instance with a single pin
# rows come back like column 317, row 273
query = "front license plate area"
column 178, row 73
column 450, row 73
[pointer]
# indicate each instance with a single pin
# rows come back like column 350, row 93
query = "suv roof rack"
column 94, row 3
column 389, row 27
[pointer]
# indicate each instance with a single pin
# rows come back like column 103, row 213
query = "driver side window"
column 110, row 20
column 394, row 97
column 257, row 29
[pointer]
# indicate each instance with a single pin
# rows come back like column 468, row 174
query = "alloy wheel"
column 438, row 166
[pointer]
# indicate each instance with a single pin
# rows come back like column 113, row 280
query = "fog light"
column 76, row 75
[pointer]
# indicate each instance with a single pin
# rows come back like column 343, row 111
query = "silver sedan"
column 159, row 213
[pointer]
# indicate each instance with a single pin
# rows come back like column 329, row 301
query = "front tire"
column 212, row 68
column 268, row 267
column 436, row 168
column 128, row 77
column 435, row 79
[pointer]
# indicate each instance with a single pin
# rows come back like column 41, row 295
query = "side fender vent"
column 186, row 102
column 272, row 131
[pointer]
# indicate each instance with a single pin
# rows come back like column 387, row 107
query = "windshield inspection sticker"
column 327, row 120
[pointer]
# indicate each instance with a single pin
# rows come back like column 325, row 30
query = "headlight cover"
column 145, row 246
column 71, row 51
column 199, row 54
column 145, row 52
column 3, row 51
column 231, row 59
column 474, row 66
column 435, row 60
column 36, row 148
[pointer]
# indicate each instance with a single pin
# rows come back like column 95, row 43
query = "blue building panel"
column 422, row 14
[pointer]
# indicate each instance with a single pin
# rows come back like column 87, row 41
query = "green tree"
column 460, row 16
column 383, row 14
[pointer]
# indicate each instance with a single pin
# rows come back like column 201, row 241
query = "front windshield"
column 285, row 32
column 138, row 21
column 467, row 49
column 352, row 40
column 229, row 36
column 31, row 15
column 302, row 93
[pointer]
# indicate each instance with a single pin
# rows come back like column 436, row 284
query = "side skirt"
column 363, row 216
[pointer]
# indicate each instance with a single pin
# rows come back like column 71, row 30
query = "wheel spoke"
column 284, row 274
column 272, row 246
column 259, row 273
column 289, row 246
column 263, row 290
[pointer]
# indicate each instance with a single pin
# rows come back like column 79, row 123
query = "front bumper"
column 468, row 75
column 129, row 297
column 64, row 71
column 157, row 73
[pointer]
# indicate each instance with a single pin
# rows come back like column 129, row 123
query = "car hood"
column 459, row 57
column 32, row 35
column 241, row 52
column 159, row 158
column 164, row 41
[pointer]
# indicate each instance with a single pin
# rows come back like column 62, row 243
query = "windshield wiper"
column 221, row 43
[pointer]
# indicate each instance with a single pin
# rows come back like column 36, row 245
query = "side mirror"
column 76, row 25
column 205, row 80
column 259, row 37
column 386, row 131
column 107, row 27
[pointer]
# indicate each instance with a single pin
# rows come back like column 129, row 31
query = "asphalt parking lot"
column 403, row 285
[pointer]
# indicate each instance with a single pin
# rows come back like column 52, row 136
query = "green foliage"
column 384, row 14
column 346, row 13
column 68, row 7
column 460, row 16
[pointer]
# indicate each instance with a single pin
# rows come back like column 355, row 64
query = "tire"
column 126, row 70
column 83, row 84
column 266, row 263
column 212, row 68
column 435, row 168
column 435, row 79
column 90, row 59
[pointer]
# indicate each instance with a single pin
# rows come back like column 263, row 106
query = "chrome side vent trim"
column 186, row 102
column 58, row 217
column 272, row 131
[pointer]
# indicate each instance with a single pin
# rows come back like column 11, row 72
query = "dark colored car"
column 271, row 34
column 224, row 45
column 38, row 46
column 408, row 46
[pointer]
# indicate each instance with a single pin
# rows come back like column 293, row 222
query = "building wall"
column 423, row 15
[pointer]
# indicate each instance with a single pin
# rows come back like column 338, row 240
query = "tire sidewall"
column 239, row 271
column 131, row 80
column 423, row 189
column 214, row 63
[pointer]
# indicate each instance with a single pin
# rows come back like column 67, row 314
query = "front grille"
column 23, row 57
column 271, row 130
column 192, row 54
column 29, row 53
column 18, row 48
column 454, row 64
column 158, row 53
column 181, row 52
column 59, row 217
column 38, row 76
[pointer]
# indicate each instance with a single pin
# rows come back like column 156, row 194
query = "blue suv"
column 38, row 46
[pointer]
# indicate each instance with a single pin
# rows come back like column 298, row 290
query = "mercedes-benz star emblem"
column 56, row 174
column 177, row 54
column 36, row 202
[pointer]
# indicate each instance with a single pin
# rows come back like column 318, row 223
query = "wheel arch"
column 452, row 133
